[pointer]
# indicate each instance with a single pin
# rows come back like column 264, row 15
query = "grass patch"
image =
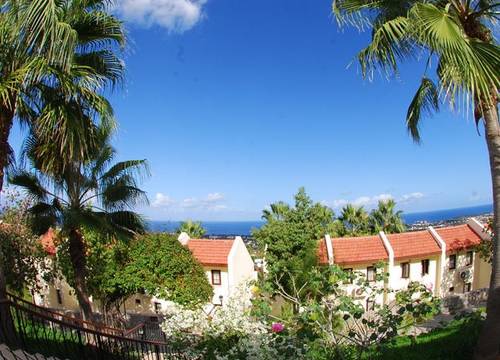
column 455, row 341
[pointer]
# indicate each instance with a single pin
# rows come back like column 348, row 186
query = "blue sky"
column 236, row 104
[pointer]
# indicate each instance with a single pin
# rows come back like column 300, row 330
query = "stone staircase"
column 8, row 354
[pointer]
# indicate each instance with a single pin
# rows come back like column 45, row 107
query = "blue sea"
column 244, row 228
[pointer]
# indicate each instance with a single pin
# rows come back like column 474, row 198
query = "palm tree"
column 193, row 228
column 277, row 211
column 354, row 220
column 41, row 43
column 385, row 218
column 51, row 51
column 93, row 195
column 457, row 35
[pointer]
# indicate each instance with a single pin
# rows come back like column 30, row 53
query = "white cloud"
column 411, row 197
column 162, row 200
column 173, row 15
column 372, row 201
column 211, row 202
column 214, row 197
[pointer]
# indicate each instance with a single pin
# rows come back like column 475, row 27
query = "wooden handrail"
column 86, row 330
column 135, row 328
column 83, row 323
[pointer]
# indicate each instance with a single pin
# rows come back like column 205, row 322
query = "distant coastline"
column 414, row 221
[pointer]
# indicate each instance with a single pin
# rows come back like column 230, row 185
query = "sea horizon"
column 245, row 227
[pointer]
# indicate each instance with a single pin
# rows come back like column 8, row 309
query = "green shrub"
column 160, row 265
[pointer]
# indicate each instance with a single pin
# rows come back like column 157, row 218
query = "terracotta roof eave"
column 416, row 256
column 213, row 264
column 368, row 262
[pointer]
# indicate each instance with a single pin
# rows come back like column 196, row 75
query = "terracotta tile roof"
column 210, row 252
column 47, row 241
column 458, row 237
column 413, row 244
column 354, row 250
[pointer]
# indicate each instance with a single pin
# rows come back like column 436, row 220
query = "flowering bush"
column 229, row 332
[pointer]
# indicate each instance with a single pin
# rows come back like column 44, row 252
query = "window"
column 370, row 273
column 469, row 258
column 59, row 296
column 216, row 280
column 405, row 270
column 349, row 276
column 425, row 267
column 452, row 262
column 467, row 287
column 138, row 301
column 370, row 304
column 451, row 289
column 157, row 307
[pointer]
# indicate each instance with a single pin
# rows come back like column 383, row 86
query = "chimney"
column 183, row 238
column 329, row 249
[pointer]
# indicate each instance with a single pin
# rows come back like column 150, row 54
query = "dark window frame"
column 370, row 273
column 467, row 287
column 219, row 282
column 425, row 266
column 157, row 306
column 405, row 274
column 469, row 258
column 370, row 304
column 452, row 265
column 138, row 301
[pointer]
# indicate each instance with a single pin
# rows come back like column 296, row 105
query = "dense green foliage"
column 194, row 229
column 291, row 235
column 19, row 246
column 160, row 265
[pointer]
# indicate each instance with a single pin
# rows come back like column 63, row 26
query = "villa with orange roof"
column 442, row 259
column 227, row 264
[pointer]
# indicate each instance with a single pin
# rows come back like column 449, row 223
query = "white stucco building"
column 442, row 259
column 227, row 264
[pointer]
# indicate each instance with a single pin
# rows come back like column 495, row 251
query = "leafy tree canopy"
column 21, row 250
column 160, row 265
column 290, row 236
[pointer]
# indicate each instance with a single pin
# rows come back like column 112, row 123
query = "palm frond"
column 389, row 44
column 468, row 67
column 426, row 100
column 31, row 184
column 130, row 167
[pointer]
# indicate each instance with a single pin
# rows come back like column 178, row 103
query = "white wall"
column 240, row 265
column 429, row 280
column 451, row 277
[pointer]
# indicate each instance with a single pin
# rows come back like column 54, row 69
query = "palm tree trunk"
column 78, row 260
column 7, row 333
column 489, row 341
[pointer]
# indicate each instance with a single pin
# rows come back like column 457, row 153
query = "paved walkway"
column 8, row 354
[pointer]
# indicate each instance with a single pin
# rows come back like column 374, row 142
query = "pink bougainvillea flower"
column 277, row 327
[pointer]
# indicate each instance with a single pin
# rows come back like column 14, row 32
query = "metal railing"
column 44, row 333
column 69, row 319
